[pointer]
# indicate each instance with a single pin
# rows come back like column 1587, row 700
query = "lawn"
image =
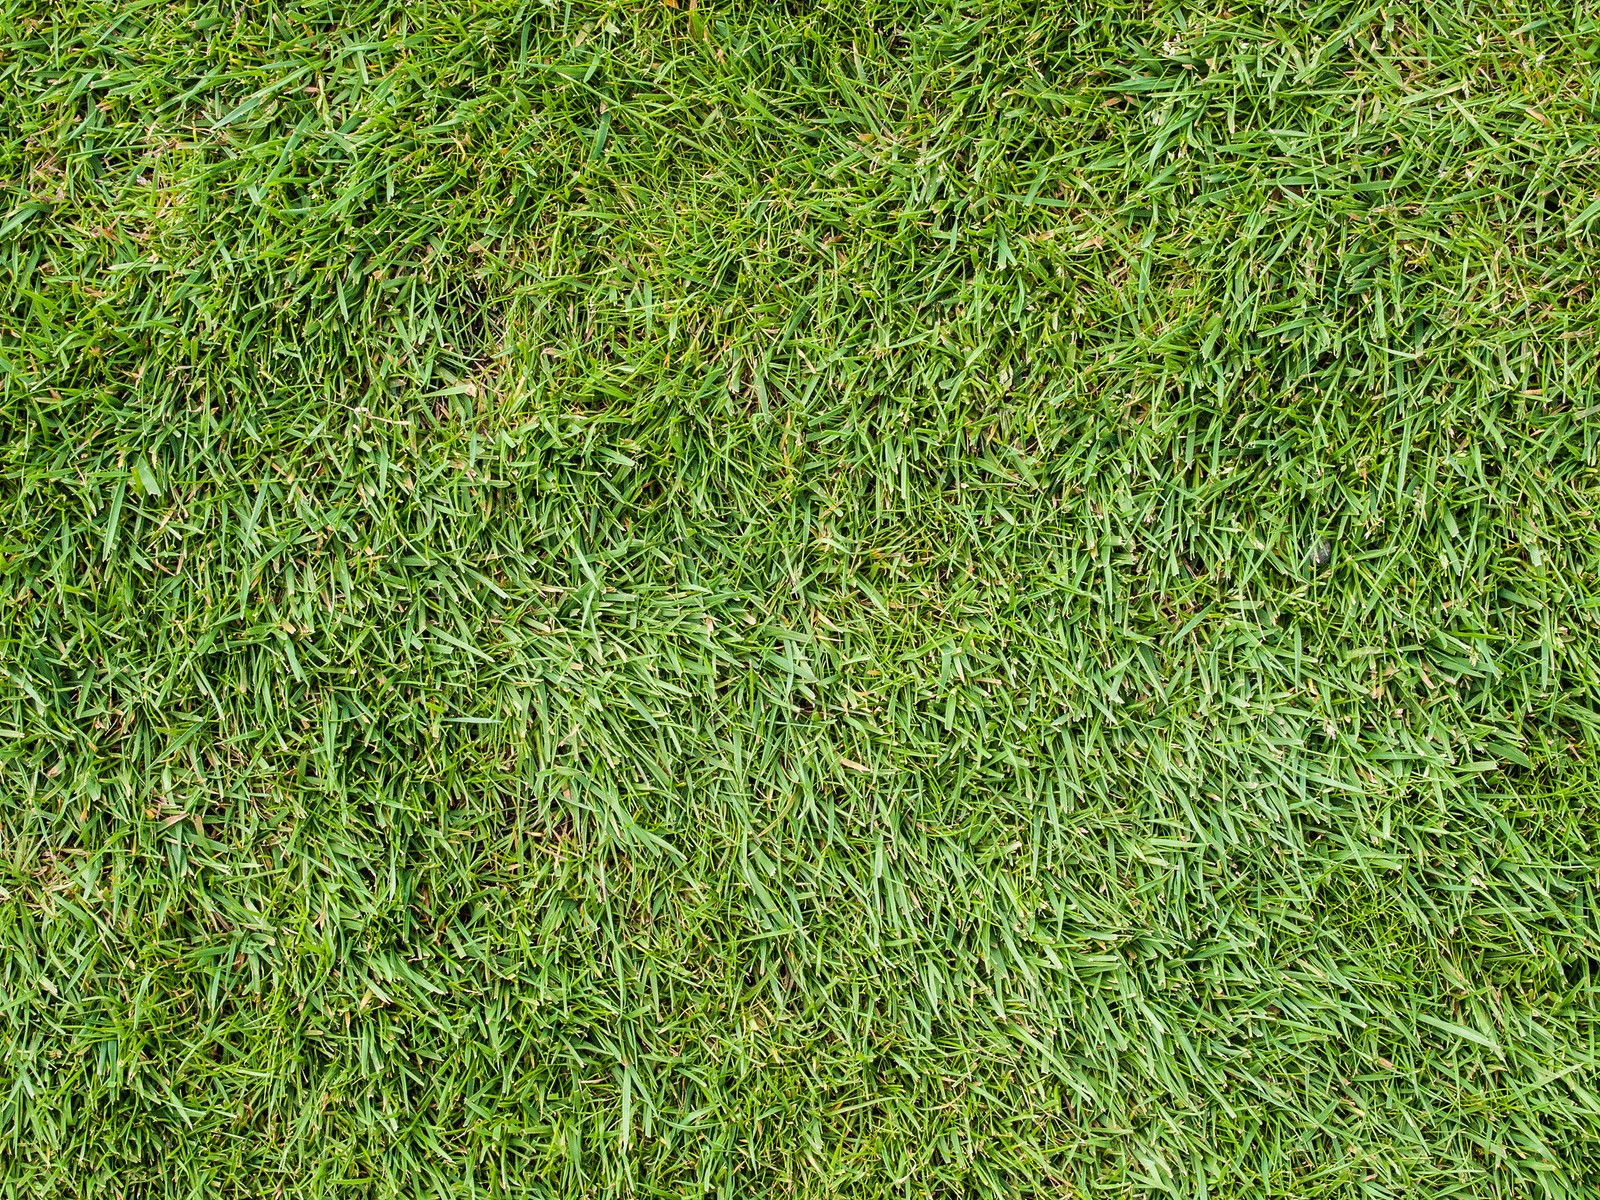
column 800, row 599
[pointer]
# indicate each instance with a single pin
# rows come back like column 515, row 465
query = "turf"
column 836, row 599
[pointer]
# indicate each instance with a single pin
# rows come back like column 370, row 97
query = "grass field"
column 813, row 600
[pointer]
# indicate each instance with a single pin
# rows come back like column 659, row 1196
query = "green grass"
column 817, row 600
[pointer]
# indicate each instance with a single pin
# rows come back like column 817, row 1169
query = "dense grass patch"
column 843, row 599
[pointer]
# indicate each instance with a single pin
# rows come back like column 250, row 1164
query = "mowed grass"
column 812, row 600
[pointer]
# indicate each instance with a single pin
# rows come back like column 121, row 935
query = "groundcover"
column 841, row 599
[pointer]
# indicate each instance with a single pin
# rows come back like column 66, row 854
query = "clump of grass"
column 901, row 599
